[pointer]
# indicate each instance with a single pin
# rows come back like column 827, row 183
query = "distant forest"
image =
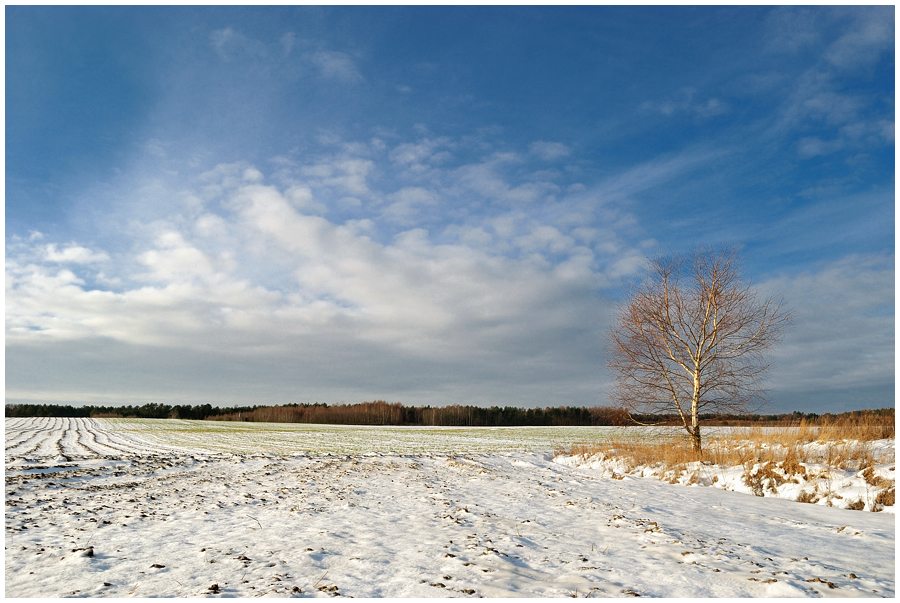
column 380, row 412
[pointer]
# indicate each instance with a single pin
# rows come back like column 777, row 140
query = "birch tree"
column 692, row 338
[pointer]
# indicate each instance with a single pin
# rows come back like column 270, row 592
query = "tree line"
column 380, row 412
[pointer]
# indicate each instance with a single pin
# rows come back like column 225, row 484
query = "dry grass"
column 807, row 496
column 857, row 505
column 886, row 497
column 844, row 445
column 771, row 456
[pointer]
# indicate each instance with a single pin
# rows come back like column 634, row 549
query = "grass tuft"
column 807, row 496
column 856, row 505
column 886, row 497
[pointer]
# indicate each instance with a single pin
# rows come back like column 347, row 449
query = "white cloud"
column 256, row 282
column 870, row 34
column 407, row 203
column 335, row 65
column 652, row 173
column 854, row 132
column 852, row 41
column 549, row 151
column 155, row 148
column 252, row 174
column 544, row 237
column 813, row 146
column 833, row 107
column 487, row 180
column 864, row 33
column 711, row 108
column 230, row 44
column 843, row 332
column 684, row 102
column 475, row 237
column 263, row 280
column 627, row 265
column 791, row 29
column 302, row 198
column 211, row 225
column 74, row 254
column 175, row 260
column 345, row 174
column 288, row 41
column 415, row 153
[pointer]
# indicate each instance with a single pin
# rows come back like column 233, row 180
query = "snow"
column 833, row 487
column 116, row 509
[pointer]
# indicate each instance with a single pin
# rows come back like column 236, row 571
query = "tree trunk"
column 695, row 417
column 695, row 438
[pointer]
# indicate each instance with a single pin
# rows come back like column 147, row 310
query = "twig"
column 134, row 589
column 256, row 520
column 320, row 579
column 94, row 531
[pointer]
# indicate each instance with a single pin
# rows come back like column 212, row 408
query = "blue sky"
column 433, row 205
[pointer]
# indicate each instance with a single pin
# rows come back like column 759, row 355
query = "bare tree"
column 692, row 337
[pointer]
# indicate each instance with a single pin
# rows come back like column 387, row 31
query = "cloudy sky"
column 433, row 205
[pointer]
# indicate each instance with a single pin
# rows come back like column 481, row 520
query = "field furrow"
column 133, row 514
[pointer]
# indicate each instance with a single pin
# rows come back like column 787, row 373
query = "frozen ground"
column 98, row 508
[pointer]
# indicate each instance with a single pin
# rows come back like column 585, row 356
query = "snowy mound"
column 870, row 488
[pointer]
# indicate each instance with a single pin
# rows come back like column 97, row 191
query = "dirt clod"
column 830, row 584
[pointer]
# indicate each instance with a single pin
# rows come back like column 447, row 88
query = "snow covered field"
column 172, row 508
column 141, row 435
